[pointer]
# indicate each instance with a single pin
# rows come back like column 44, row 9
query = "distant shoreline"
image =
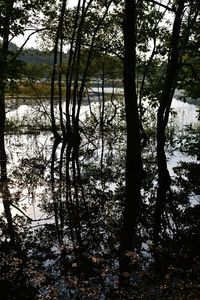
column 179, row 95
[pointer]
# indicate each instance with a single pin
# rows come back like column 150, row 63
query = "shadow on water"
column 61, row 212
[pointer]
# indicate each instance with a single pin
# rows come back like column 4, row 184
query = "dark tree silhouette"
column 134, row 170
column 165, row 101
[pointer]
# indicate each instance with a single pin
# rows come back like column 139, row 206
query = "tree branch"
column 21, row 48
column 162, row 5
column 30, row 219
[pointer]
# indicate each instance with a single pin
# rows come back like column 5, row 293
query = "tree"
column 134, row 169
column 178, row 41
column 188, row 77
column 7, row 8
column 14, row 18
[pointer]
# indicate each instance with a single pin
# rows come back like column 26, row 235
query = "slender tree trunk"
column 3, row 64
column 2, row 129
column 134, row 169
column 164, row 179
column 3, row 60
column 54, row 191
column 58, row 39
column 7, row 210
column 3, row 77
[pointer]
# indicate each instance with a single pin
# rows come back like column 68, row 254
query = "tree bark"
column 134, row 170
column 57, row 39
column 3, row 79
column 2, row 129
column 164, row 179
column 7, row 211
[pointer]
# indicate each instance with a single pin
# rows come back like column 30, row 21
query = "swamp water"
column 60, row 215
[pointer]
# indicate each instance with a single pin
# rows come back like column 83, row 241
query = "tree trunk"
column 57, row 39
column 3, row 78
column 133, row 153
column 7, row 211
column 164, row 179
column 2, row 129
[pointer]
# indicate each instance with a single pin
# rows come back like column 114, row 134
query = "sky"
column 32, row 42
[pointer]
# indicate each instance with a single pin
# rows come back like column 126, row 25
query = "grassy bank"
column 32, row 90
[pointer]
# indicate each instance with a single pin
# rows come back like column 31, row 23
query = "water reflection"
column 6, row 199
column 61, row 217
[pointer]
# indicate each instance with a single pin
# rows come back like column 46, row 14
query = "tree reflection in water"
column 69, row 248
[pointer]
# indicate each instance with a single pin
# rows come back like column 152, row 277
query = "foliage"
column 68, row 246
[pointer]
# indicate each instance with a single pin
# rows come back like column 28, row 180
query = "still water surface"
column 34, row 150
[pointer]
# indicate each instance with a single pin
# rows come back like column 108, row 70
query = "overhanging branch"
column 162, row 5
column 22, row 46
